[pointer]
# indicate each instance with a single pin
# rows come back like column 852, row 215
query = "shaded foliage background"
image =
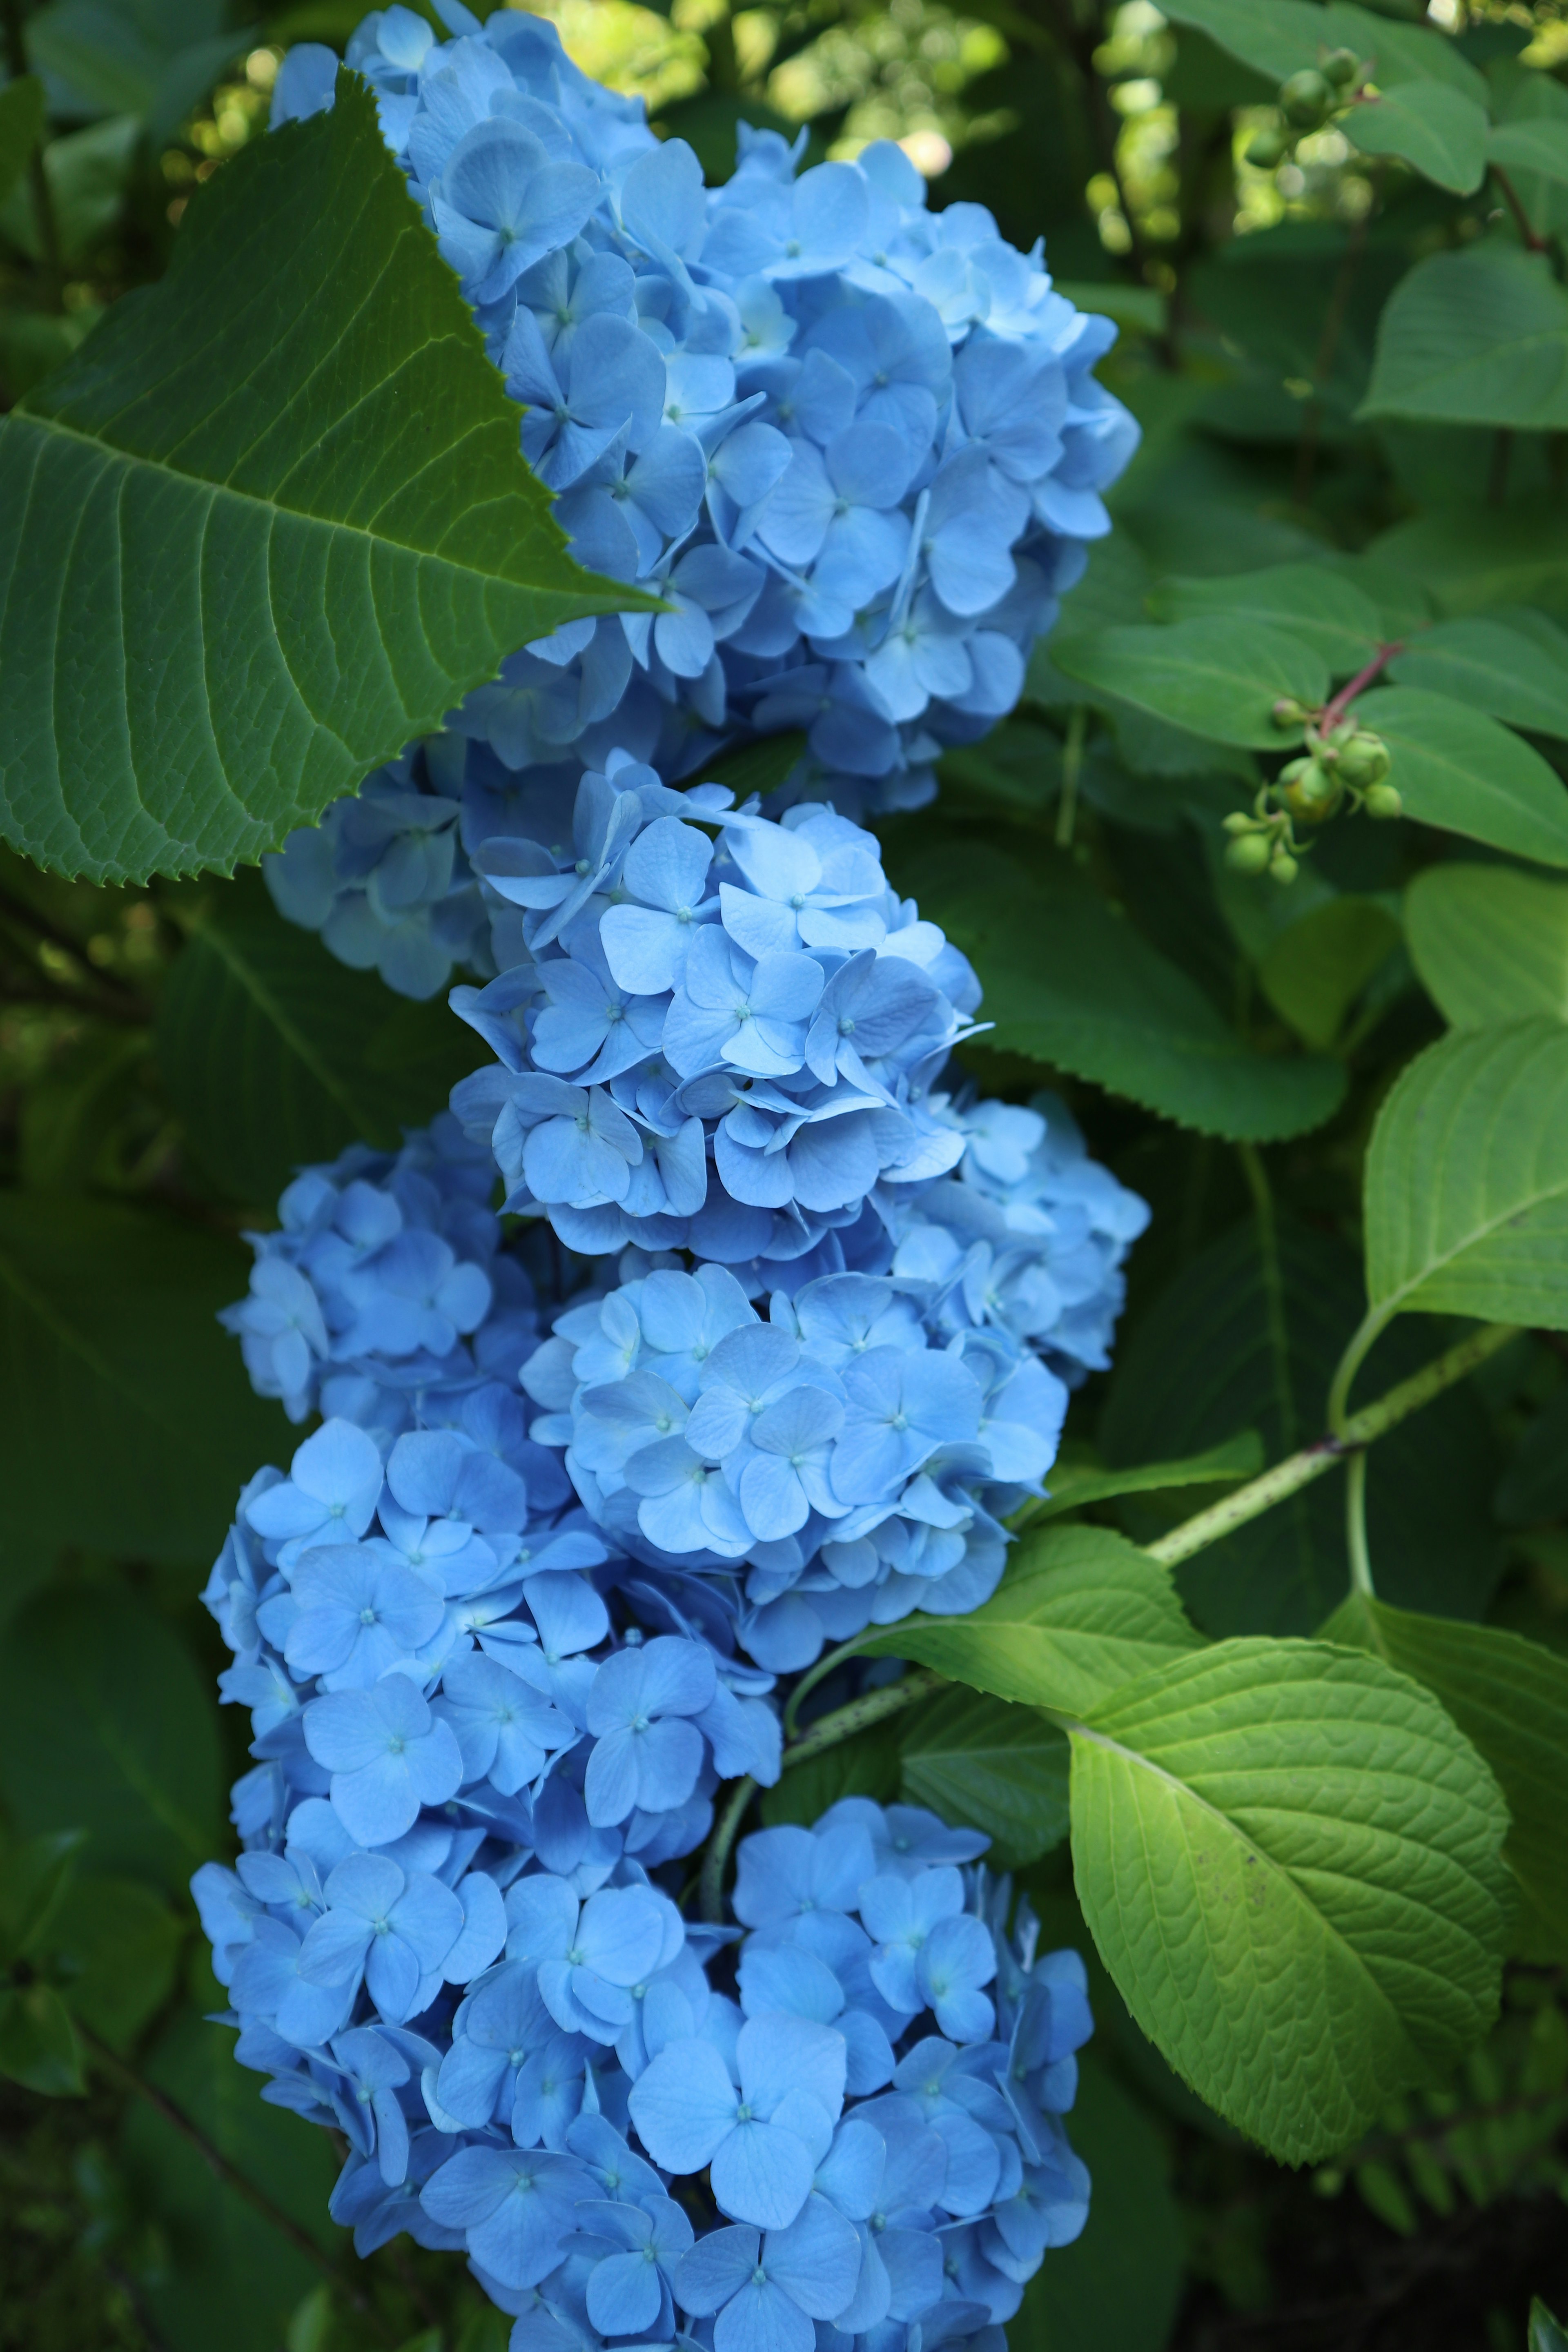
column 168, row 1055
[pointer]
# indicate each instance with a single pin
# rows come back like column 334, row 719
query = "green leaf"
column 1088, row 2297
column 1546, row 2334
column 1401, row 53
column 1313, row 973
column 1479, row 337
column 132, row 1424
column 87, row 171
column 107, row 1725
column 1466, row 1180
column 1471, row 558
column 866, row 1766
column 39, row 2047
column 1318, row 608
column 1253, row 1326
column 1488, row 943
column 33, row 1875
column 333, row 537
column 984, row 1765
column 139, row 58
column 1535, row 1486
column 229, row 2278
column 21, row 128
column 1520, row 673
column 758, row 767
column 1457, row 769
column 1290, row 1861
column 275, row 1054
column 1509, row 1698
column 1425, row 123
column 1215, row 674
column 1075, row 1483
column 1540, row 146
column 1078, row 1612
column 1069, row 983
column 117, row 1945
column 1276, row 38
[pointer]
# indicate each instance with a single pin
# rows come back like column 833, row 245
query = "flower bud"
column 1383, row 800
column 1248, row 853
column 1364, row 761
column 1283, row 867
column 1341, row 66
column 1288, row 712
column 1306, row 100
column 1265, row 149
column 1240, row 822
column 1311, row 796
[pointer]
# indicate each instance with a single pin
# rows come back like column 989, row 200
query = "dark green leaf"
column 1475, row 338
column 866, row 1766
column 1322, row 608
column 274, row 1053
column 1427, row 123
column 1291, row 1861
column 35, row 1874
column 138, row 57
column 984, row 1765
column 1541, row 146
column 325, row 557
column 1214, row 676
column 1088, row 2297
column 1509, row 1698
column 132, row 1424
column 758, row 767
column 107, row 1725
column 87, row 171
column 1535, row 1484
column 1254, row 1325
column 1079, row 1612
column 1466, row 1180
column 1488, row 943
column 1069, row 983
column 1075, row 1483
column 231, row 2279
column 1471, row 558
column 1457, row 769
column 1401, row 53
column 1315, row 970
column 1520, row 673
column 1277, row 38
column 39, row 2047
column 21, row 128
column 1546, row 2334
column 116, row 1945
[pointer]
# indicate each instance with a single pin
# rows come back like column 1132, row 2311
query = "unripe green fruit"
column 1306, row 100
column 1341, row 66
column 1248, row 854
column 1284, row 867
column 1383, row 800
column 1312, row 796
column 1288, row 711
column 1364, row 761
column 1265, row 150
column 1240, row 822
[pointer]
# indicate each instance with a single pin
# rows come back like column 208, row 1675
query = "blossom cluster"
column 856, row 447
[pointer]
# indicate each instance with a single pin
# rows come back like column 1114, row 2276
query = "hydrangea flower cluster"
column 855, row 445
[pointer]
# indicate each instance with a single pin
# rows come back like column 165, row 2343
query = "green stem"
column 711, row 1885
column 824, row 1665
column 1360, row 1430
column 1355, row 1527
column 1072, row 767
column 1361, row 1342
column 860, row 1714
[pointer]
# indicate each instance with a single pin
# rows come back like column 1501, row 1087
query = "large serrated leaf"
column 1458, row 769
column 1290, row 1861
column 1509, row 1698
column 1466, row 1180
column 1479, row 337
column 984, row 1765
column 1489, row 944
column 1074, row 1484
column 271, row 522
column 1080, row 1612
column 1215, row 674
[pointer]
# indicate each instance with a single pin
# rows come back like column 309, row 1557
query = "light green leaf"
column 131, row 1424
column 1425, row 123
column 1289, row 1859
column 107, row 1725
column 1075, row 1483
column 1080, row 1612
column 1489, row 944
column 1516, row 673
column 21, row 128
column 1309, row 602
column 1458, row 769
column 984, row 1765
column 1069, row 983
column 1216, row 676
column 1479, row 337
column 325, row 557
column 1466, row 1180
column 1509, row 1698
column 1313, row 971
column 1540, row 146
column 275, row 1054
column 39, row 2047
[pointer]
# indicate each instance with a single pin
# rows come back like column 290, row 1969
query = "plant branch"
column 219, row 2164
column 1521, row 221
column 1355, row 1527
column 1332, row 712
column 1358, row 1431
column 711, row 1885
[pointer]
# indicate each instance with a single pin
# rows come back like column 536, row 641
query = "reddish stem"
column 1522, row 220
column 1332, row 712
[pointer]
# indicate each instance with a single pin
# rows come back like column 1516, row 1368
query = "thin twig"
column 1334, row 710
column 711, row 1885
column 1072, row 766
column 1521, row 221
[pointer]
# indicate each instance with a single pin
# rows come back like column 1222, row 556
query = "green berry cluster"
column 1307, row 99
column 1343, row 764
